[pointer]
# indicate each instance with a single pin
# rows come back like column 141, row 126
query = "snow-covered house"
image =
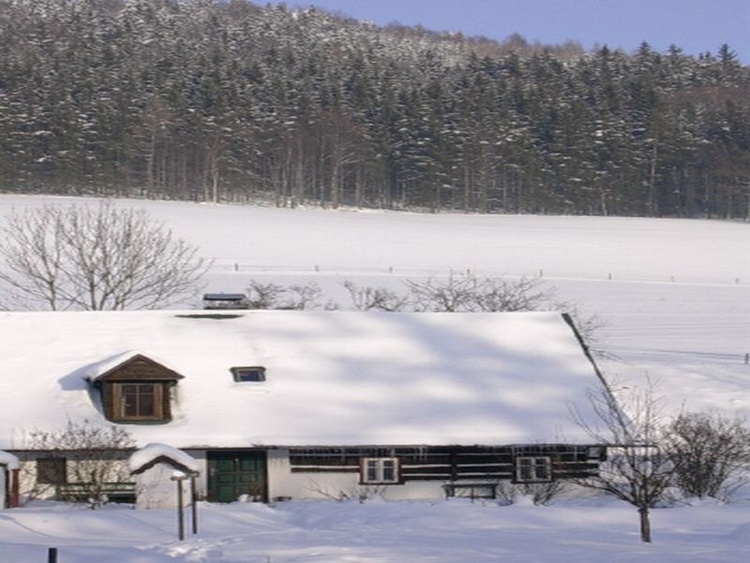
column 295, row 404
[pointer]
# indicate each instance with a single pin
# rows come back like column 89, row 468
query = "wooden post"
column 15, row 490
column 179, row 478
column 180, row 511
column 193, row 505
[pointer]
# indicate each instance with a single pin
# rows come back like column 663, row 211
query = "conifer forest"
column 230, row 101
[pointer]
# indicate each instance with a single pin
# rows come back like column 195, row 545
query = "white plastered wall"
column 283, row 484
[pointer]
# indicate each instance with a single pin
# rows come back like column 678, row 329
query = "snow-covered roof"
column 155, row 453
column 98, row 369
column 332, row 378
column 9, row 460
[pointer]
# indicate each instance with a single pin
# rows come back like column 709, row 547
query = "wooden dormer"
column 137, row 391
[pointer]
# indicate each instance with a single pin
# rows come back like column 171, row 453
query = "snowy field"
column 455, row 531
column 674, row 297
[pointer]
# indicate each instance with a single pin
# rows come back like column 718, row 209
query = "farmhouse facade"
column 274, row 405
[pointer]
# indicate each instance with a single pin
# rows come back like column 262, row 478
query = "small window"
column 380, row 470
column 137, row 391
column 139, row 401
column 244, row 374
column 533, row 469
column 51, row 471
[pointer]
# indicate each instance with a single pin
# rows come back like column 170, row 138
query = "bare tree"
column 294, row 297
column 638, row 470
column 375, row 298
column 101, row 258
column 264, row 295
column 711, row 453
column 456, row 293
column 94, row 456
column 470, row 293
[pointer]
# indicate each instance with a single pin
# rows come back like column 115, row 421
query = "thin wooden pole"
column 15, row 488
column 193, row 504
column 180, row 511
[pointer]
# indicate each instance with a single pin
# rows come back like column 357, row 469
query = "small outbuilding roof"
column 151, row 454
column 9, row 460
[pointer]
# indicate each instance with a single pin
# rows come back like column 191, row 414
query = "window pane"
column 389, row 470
column 249, row 373
column 129, row 399
column 146, row 400
column 139, row 400
column 542, row 469
column 371, row 473
column 524, row 469
column 51, row 470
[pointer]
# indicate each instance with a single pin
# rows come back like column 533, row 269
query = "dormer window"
column 138, row 401
column 137, row 390
column 245, row 374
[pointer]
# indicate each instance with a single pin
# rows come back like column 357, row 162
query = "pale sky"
column 696, row 26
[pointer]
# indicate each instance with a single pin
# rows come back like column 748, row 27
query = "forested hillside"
column 230, row 101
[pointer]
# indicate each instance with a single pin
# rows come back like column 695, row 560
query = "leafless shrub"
column 456, row 293
column 710, row 452
column 304, row 296
column 468, row 293
column 360, row 493
column 94, row 456
column 294, row 297
column 539, row 493
column 264, row 295
column 375, row 298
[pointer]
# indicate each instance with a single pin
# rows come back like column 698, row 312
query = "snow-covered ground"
column 454, row 531
column 675, row 299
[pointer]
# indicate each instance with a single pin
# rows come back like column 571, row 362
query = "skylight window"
column 249, row 374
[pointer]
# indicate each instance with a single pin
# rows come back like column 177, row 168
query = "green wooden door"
column 232, row 474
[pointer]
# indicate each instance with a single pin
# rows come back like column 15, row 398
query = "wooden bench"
column 80, row 492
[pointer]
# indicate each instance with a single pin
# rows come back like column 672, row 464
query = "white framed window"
column 533, row 469
column 380, row 470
